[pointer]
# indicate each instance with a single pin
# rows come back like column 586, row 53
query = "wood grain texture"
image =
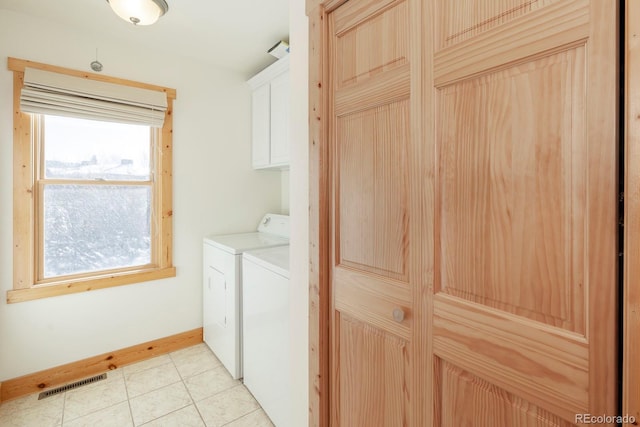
column 39, row 381
column 548, row 367
column 329, row 54
column 371, row 185
column 164, row 192
column 423, row 175
column 526, row 211
column 369, row 47
column 467, row 400
column 84, row 285
column 319, row 301
column 23, row 197
column 372, row 300
column 461, row 20
column 555, row 27
column 631, row 278
column 373, row 372
column 602, row 195
column 376, row 91
column 557, row 345
column 511, row 162
column 373, row 146
column 351, row 14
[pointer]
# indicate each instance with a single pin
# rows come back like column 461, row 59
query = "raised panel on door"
column 524, row 305
column 511, row 164
column 372, row 215
column 373, row 374
column 371, row 183
column 468, row 400
column 280, row 101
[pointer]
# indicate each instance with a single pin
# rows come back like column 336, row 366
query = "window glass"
column 90, row 149
column 101, row 219
column 95, row 227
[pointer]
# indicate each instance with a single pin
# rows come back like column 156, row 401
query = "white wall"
column 215, row 190
column 285, row 204
column 299, row 206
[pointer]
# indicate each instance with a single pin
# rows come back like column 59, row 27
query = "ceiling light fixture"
column 139, row 12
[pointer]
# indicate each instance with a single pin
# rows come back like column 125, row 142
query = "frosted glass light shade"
column 139, row 12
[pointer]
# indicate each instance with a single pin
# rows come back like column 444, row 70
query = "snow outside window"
column 95, row 195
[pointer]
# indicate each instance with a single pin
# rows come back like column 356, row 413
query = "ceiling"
column 235, row 34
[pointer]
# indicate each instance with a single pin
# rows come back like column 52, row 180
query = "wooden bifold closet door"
column 375, row 253
column 466, row 211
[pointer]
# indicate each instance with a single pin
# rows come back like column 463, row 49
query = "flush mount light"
column 139, row 12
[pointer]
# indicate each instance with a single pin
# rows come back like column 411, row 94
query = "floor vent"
column 71, row 386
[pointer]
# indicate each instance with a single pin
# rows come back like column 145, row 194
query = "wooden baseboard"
column 38, row 381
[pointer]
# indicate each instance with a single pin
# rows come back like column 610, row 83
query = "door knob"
column 398, row 315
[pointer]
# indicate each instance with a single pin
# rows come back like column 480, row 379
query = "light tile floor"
column 186, row 388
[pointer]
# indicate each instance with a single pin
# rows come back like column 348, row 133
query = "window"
column 92, row 197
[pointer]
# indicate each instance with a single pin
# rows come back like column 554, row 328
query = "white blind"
column 45, row 92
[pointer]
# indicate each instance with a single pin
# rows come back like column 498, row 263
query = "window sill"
column 88, row 284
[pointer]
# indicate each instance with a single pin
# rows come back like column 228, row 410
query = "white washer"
column 222, row 286
column 266, row 339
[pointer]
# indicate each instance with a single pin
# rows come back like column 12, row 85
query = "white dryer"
column 266, row 335
column 222, row 286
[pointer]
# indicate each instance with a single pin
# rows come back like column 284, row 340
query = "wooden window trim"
column 25, row 286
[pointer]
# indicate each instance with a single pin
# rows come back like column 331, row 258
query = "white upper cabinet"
column 261, row 126
column 270, row 116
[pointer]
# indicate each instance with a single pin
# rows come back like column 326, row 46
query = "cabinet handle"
column 398, row 315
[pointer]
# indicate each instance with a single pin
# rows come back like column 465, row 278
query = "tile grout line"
column 64, row 405
column 170, row 362
column 192, row 399
column 93, row 411
column 195, row 403
column 181, row 380
column 184, row 378
column 145, row 369
column 126, row 391
column 162, row 416
column 241, row 384
column 242, row 416
column 153, row 419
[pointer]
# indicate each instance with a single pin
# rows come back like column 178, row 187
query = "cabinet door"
column 280, row 94
column 261, row 126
